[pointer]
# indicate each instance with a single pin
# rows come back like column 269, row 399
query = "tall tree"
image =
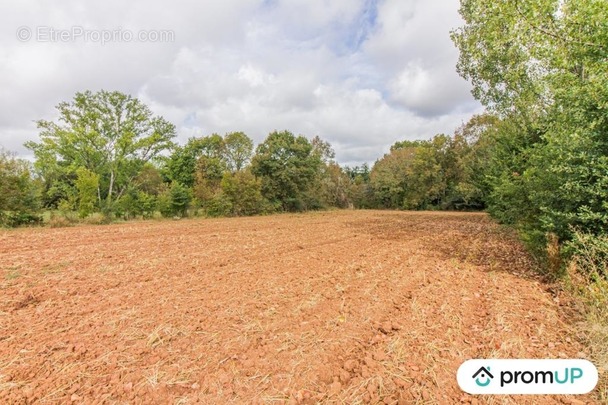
column 110, row 134
column 541, row 65
column 389, row 177
column 287, row 165
column 238, row 149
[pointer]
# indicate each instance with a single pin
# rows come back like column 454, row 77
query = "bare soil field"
column 331, row 307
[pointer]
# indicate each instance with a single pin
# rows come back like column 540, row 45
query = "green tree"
column 287, row 166
column 323, row 150
column 362, row 172
column 146, row 204
column 209, row 173
column 87, row 184
column 243, row 192
column 149, row 180
column 360, row 193
column 389, row 177
column 174, row 200
column 238, row 149
column 442, row 173
column 180, row 199
column 19, row 191
column 330, row 186
column 541, row 66
column 181, row 166
column 408, row 144
column 472, row 149
column 108, row 133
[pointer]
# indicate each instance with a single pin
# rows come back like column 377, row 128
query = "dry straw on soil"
column 339, row 307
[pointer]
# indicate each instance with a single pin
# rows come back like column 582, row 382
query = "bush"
column 12, row 219
column 218, row 206
column 590, row 255
column 242, row 192
column 174, row 201
column 58, row 221
column 96, row 218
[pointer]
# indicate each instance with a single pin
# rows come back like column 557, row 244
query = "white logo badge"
column 513, row 376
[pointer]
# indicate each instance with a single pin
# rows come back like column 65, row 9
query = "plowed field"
column 334, row 307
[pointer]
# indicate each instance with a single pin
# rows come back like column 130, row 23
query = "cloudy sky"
column 361, row 74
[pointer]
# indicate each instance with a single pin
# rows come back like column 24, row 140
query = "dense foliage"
column 103, row 139
column 108, row 155
column 19, row 191
column 540, row 66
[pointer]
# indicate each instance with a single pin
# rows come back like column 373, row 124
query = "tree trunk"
column 111, row 187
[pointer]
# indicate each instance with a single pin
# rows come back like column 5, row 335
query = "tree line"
column 540, row 67
column 108, row 154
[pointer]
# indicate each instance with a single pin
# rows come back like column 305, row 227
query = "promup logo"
column 483, row 377
column 499, row 376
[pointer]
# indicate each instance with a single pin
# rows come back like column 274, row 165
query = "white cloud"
column 359, row 74
column 428, row 91
column 413, row 49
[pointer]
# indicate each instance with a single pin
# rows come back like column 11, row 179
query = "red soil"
column 337, row 307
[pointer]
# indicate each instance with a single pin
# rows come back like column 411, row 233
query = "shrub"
column 58, row 221
column 12, row 219
column 590, row 255
column 242, row 192
column 96, row 218
column 174, row 201
column 218, row 206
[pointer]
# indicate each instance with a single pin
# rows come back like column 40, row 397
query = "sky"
column 361, row 74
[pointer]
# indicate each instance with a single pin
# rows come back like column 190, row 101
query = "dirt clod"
column 386, row 327
column 328, row 307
